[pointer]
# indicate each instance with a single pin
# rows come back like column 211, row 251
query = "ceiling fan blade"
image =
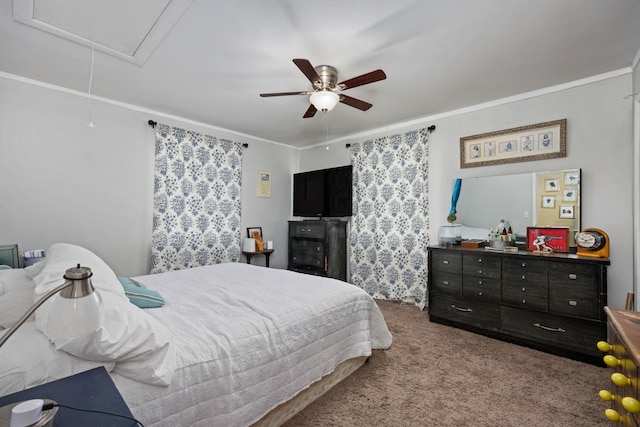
column 356, row 103
column 364, row 79
column 307, row 69
column 311, row 111
column 283, row 94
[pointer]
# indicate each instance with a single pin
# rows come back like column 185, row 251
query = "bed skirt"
column 284, row 412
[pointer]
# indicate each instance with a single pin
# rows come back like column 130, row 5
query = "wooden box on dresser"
column 551, row 302
column 318, row 247
column 623, row 348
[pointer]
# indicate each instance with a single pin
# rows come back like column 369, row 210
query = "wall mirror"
column 524, row 200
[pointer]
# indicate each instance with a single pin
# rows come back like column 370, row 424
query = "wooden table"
column 267, row 253
column 623, row 346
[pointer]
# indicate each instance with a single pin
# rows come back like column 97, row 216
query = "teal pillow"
column 139, row 295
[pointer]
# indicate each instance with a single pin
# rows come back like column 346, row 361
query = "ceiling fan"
column 324, row 95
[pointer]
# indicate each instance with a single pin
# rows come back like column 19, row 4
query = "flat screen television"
column 323, row 193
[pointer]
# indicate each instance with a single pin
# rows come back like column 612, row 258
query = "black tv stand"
column 318, row 247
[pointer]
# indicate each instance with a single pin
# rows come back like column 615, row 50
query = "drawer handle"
column 611, row 361
column 524, row 289
column 524, row 277
column 630, row 404
column 480, row 260
column 305, row 229
column 466, row 310
column 612, row 415
column 606, row 395
column 573, row 276
column 479, row 282
column 445, row 282
column 620, row 380
column 479, row 271
column 445, row 262
column 524, row 264
column 573, row 303
column 546, row 328
column 479, row 294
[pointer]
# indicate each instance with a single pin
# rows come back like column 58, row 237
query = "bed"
column 234, row 345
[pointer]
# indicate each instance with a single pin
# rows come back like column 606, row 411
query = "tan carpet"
column 435, row 375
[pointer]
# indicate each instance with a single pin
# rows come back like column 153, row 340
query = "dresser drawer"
column 565, row 332
column 447, row 262
column 307, row 230
column 307, row 252
column 586, row 275
column 469, row 312
column 574, row 290
column 524, row 283
column 450, row 283
column 481, row 265
column 530, row 267
column 481, row 288
column 530, row 295
column 526, row 272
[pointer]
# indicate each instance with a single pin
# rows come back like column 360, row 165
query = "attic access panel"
column 129, row 30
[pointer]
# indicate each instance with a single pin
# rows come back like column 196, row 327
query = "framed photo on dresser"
column 548, row 239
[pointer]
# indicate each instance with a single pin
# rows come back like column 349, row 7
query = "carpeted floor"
column 435, row 375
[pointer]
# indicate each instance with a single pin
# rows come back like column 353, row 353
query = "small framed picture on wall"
column 548, row 202
column 566, row 212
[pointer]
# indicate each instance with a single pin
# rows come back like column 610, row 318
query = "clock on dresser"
column 592, row 242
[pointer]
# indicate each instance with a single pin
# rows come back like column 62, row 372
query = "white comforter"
column 249, row 338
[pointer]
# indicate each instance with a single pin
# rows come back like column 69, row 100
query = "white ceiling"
column 208, row 61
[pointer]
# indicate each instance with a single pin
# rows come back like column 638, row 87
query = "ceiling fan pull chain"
column 326, row 126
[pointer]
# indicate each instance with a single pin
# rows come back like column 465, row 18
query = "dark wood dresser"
column 318, row 247
column 551, row 302
column 623, row 355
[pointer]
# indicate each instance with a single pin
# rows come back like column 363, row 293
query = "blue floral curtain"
column 196, row 213
column 390, row 225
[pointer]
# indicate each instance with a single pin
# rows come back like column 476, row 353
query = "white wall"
column 599, row 141
column 636, row 176
column 270, row 214
column 64, row 181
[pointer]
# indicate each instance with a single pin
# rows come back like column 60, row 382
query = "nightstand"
column 267, row 253
column 91, row 390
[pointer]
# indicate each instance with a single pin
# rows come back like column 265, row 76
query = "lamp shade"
column 74, row 317
column 324, row 100
column 76, row 310
column 77, row 303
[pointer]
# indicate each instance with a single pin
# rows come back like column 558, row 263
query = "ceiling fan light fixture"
column 324, row 100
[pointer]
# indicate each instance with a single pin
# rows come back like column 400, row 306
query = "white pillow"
column 14, row 279
column 16, row 290
column 139, row 344
column 13, row 305
column 34, row 269
column 28, row 359
column 61, row 257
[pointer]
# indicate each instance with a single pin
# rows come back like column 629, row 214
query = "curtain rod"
column 430, row 129
column 153, row 125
